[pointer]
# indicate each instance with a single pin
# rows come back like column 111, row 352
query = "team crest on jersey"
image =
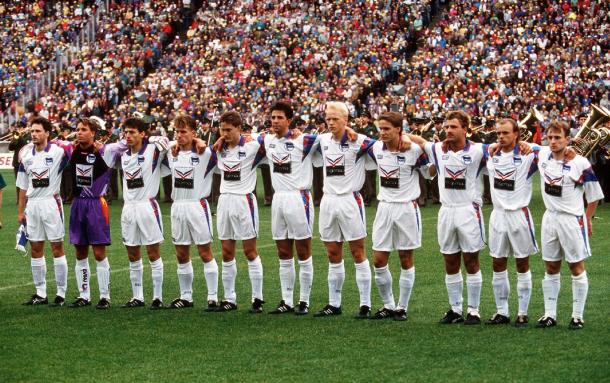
column 241, row 155
column 467, row 160
column 49, row 160
column 344, row 147
column 401, row 160
column 90, row 158
column 289, row 146
column 141, row 160
column 517, row 160
column 194, row 160
column 566, row 168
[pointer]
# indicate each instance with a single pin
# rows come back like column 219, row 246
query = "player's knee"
column 499, row 265
column 523, row 265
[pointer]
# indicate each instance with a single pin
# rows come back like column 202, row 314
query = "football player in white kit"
column 461, row 232
column 398, row 224
column 511, row 228
column 292, row 211
column 141, row 222
column 566, row 225
column 237, row 211
column 342, row 214
column 38, row 178
column 190, row 215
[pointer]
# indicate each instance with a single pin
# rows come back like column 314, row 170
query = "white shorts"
column 397, row 226
column 292, row 215
column 141, row 223
column 237, row 216
column 45, row 219
column 461, row 228
column 564, row 236
column 512, row 233
column 342, row 217
column 191, row 223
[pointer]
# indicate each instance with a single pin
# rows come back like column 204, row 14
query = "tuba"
column 591, row 135
column 526, row 125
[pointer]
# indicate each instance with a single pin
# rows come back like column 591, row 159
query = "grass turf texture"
column 62, row 344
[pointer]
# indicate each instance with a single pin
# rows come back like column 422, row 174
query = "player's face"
column 39, row 135
column 133, row 136
column 229, row 133
column 506, row 136
column 279, row 122
column 557, row 141
column 184, row 135
column 84, row 134
column 454, row 131
column 387, row 131
column 336, row 121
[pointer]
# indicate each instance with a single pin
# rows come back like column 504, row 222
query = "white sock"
column 83, row 275
column 336, row 276
column 455, row 286
column 305, row 279
column 255, row 270
column 229, row 274
column 474, row 283
column 39, row 275
column 580, row 288
column 103, row 278
column 210, row 271
column 501, row 288
column 156, row 270
column 185, row 280
column 383, row 279
column 61, row 275
column 524, row 291
column 136, row 272
column 363, row 280
column 287, row 277
column 407, row 279
column 550, row 289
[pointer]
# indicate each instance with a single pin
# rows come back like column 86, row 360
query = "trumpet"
column 471, row 131
column 591, row 134
column 526, row 125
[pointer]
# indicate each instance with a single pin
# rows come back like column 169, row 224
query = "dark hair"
column 135, row 123
column 90, row 123
column 46, row 124
column 393, row 118
column 232, row 118
column 511, row 122
column 559, row 126
column 184, row 120
column 283, row 107
column 459, row 115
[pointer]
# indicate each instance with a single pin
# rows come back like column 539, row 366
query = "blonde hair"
column 338, row 107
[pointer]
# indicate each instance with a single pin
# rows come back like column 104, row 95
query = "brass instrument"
column 471, row 131
column 589, row 136
column 526, row 125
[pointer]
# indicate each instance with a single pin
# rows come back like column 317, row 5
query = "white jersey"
column 563, row 183
column 39, row 173
column 191, row 174
column 398, row 178
column 344, row 162
column 238, row 166
column 142, row 172
column 510, row 178
column 290, row 160
column 459, row 181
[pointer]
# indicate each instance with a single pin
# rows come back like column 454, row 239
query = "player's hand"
column 351, row 134
column 405, row 143
column 525, row 148
column 20, row 218
column 217, row 147
column 493, row 149
column 175, row 149
column 445, row 147
column 162, row 143
column 569, row 153
column 200, row 146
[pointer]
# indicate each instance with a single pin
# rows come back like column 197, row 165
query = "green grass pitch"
column 44, row 344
